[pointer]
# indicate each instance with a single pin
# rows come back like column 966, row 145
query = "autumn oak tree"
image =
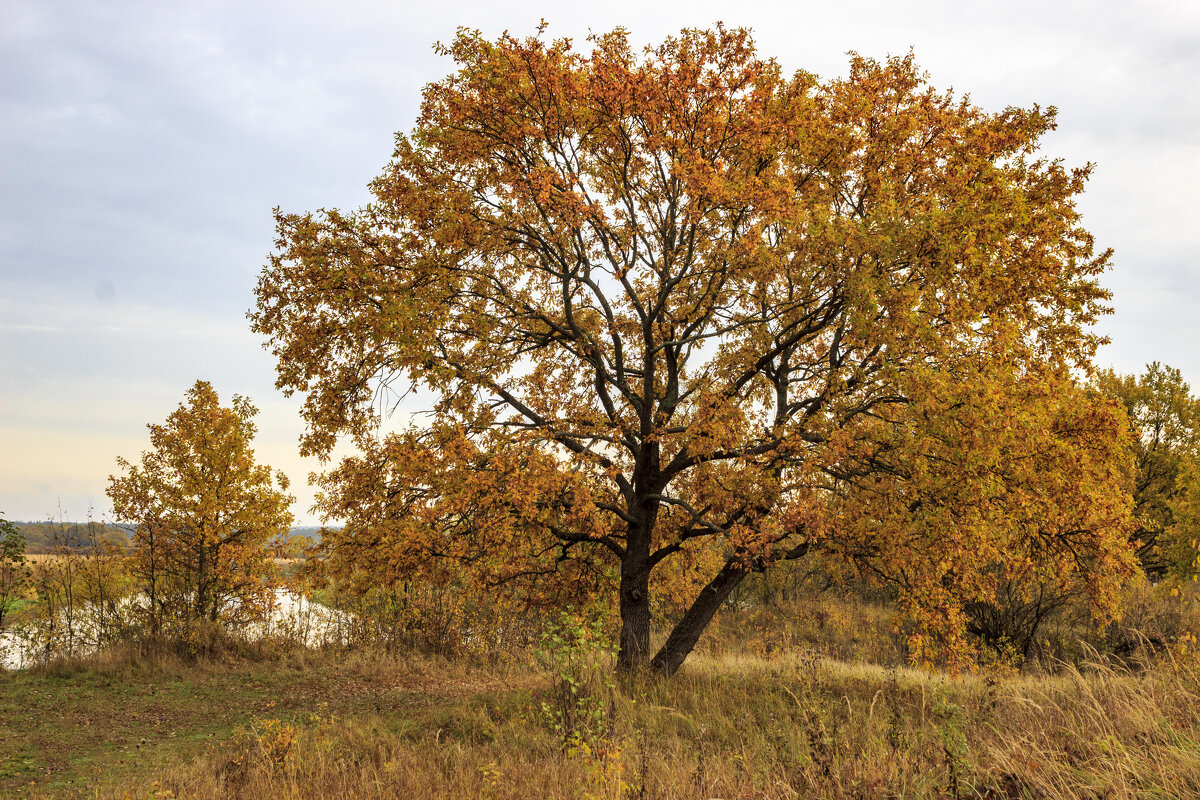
column 202, row 512
column 678, row 311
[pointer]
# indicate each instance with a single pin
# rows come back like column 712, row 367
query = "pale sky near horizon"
column 143, row 146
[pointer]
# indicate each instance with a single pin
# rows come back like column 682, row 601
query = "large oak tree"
column 676, row 305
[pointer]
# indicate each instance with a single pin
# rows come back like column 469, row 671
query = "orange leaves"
column 483, row 502
column 678, row 303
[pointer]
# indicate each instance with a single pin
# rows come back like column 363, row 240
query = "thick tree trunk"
column 635, row 565
column 687, row 632
column 635, row 589
column 635, row 612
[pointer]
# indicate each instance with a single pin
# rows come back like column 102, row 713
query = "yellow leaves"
column 204, row 511
column 716, row 424
column 994, row 477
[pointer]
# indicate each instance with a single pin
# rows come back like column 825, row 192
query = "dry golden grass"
column 49, row 558
column 813, row 703
column 733, row 727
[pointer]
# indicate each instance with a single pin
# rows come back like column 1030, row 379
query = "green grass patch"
column 77, row 730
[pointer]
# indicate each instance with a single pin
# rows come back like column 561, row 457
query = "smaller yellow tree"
column 203, row 512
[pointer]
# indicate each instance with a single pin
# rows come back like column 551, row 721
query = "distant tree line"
column 43, row 538
column 51, row 537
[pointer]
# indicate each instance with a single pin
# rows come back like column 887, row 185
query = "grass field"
column 115, row 725
column 363, row 725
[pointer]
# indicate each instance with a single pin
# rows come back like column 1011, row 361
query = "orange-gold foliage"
column 677, row 307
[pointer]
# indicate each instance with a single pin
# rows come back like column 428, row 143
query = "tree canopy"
column 681, row 316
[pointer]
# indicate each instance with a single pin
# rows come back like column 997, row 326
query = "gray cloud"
column 144, row 145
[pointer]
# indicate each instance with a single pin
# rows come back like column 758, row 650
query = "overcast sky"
column 143, row 146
